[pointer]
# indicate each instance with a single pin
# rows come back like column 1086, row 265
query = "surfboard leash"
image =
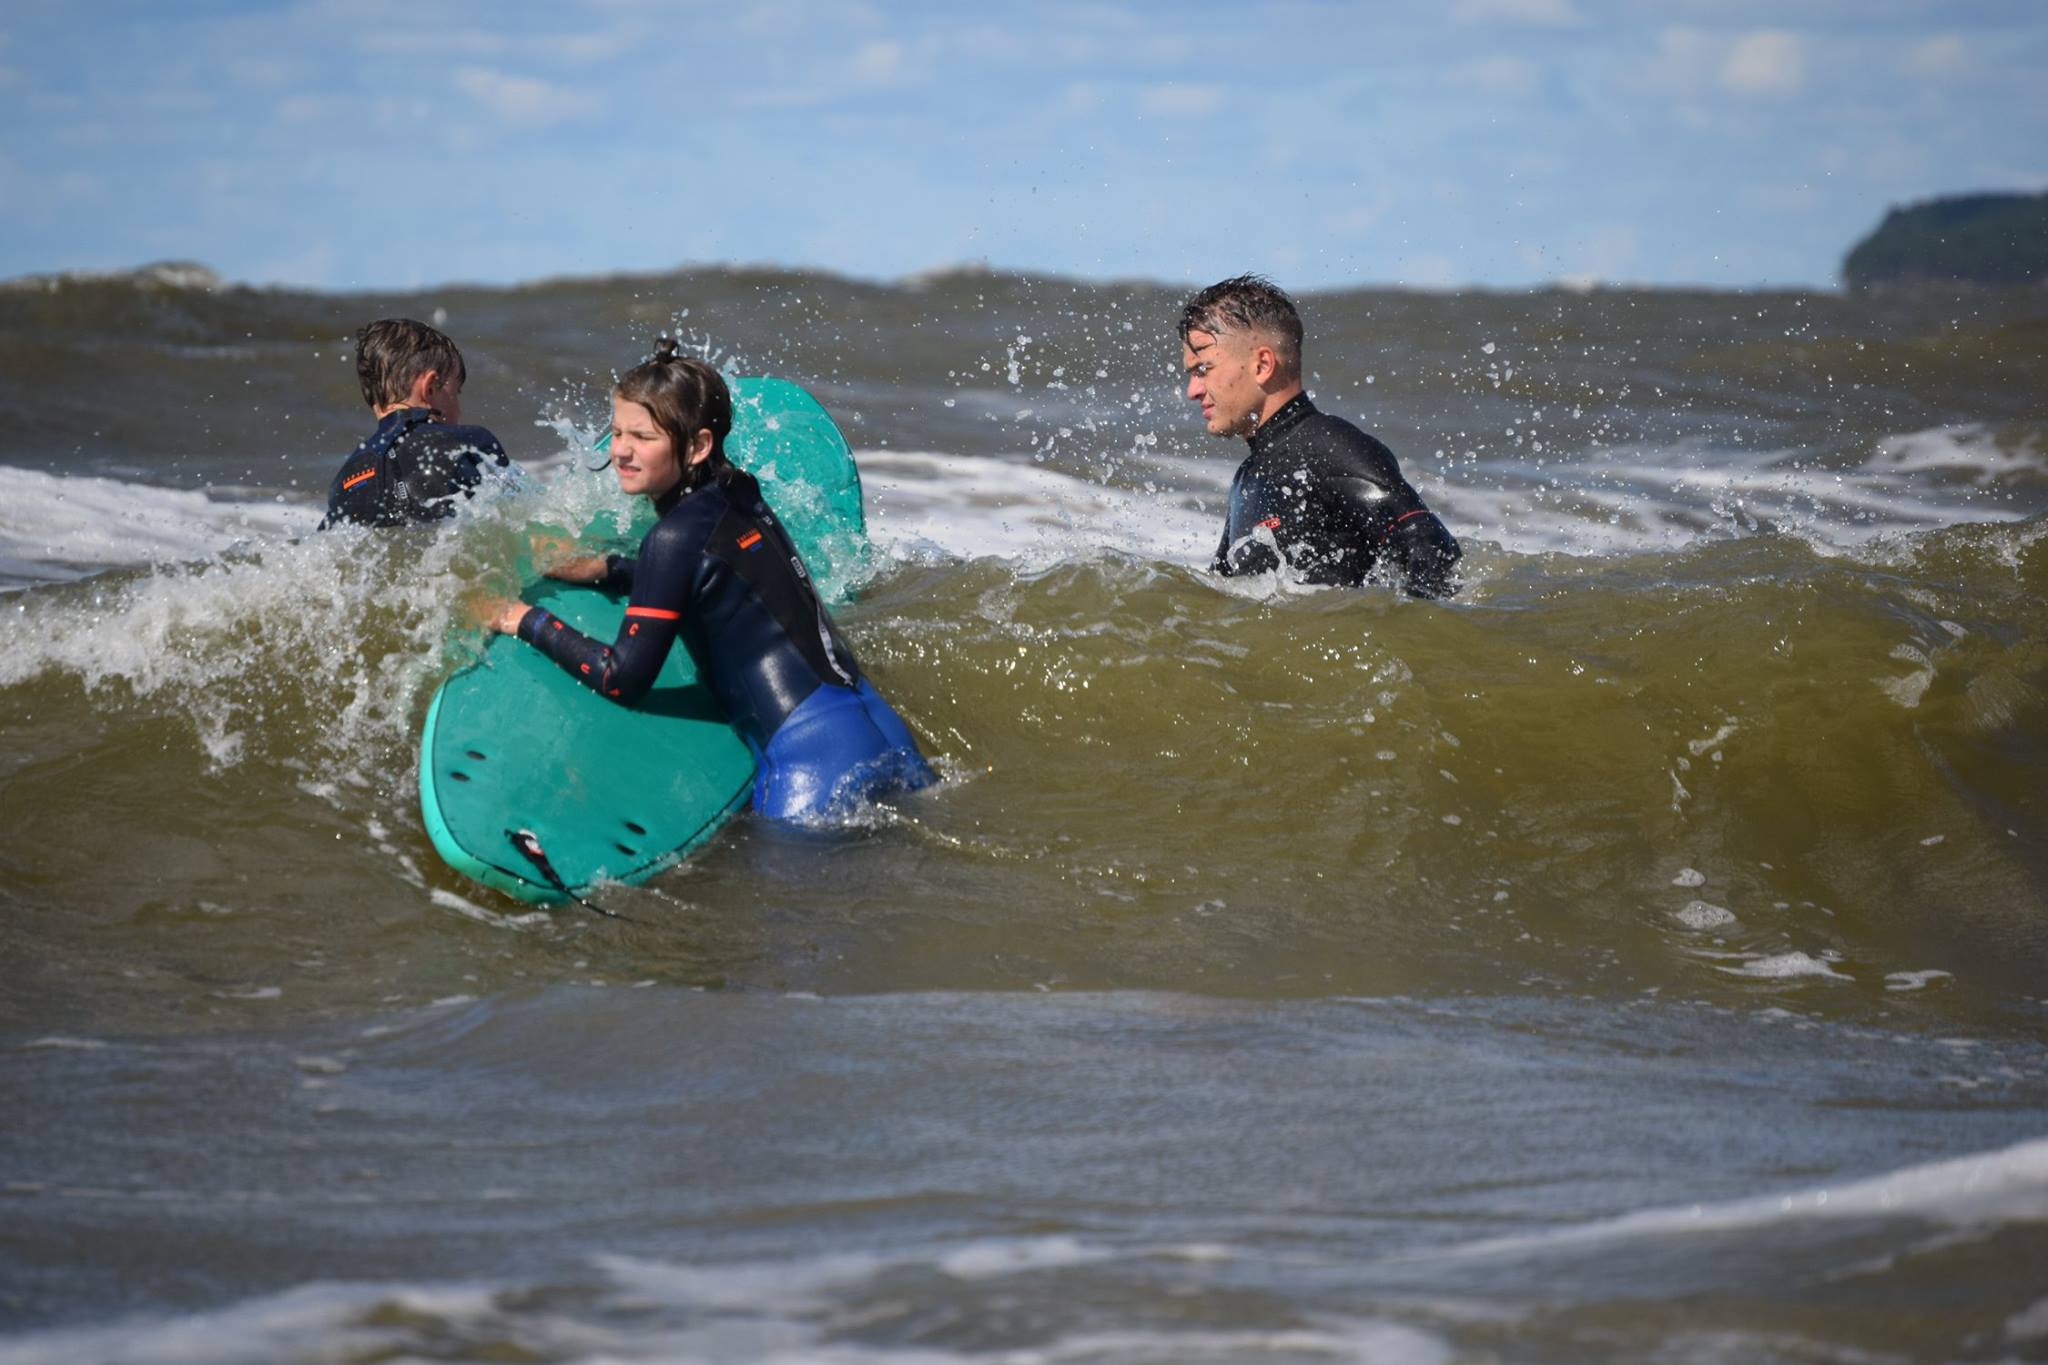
column 528, row 844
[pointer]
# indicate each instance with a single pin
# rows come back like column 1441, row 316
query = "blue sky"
column 395, row 143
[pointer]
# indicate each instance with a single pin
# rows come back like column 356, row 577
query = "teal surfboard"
column 513, row 744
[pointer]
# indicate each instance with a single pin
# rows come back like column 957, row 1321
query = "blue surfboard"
column 513, row 746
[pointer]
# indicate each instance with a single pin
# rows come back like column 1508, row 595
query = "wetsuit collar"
column 1293, row 413
column 401, row 419
column 722, row 476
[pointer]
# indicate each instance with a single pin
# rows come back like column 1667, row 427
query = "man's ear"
column 1265, row 364
column 427, row 383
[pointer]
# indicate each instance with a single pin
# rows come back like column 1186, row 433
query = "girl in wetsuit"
column 719, row 570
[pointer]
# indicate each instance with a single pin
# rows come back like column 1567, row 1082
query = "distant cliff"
column 1981, row 238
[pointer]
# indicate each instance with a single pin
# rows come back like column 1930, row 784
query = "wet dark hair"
column 685, row 396
column 1248, row 303
column 393, row 352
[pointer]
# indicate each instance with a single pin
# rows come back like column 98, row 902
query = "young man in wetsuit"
column 1316, row 492
column 420, row 458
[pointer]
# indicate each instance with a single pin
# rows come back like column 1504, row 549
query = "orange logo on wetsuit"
column 352, row 480
column 750, row 540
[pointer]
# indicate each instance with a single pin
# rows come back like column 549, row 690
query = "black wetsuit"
column 1331, row 499
column 719, row 570
column 411, row 469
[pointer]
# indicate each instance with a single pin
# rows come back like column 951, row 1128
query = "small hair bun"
column 666, row 349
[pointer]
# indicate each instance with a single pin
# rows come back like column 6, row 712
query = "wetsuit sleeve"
column 625, row 669
column 1381, row 512
column 1411, row 540
column 1423, row 552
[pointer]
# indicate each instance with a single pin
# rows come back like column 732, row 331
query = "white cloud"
column 1554, row 13
column 2028, row 179
column 93, row 133
column 1783, row 200
column 1081, row 35
column 1895, row 161
column 588, row 48
column 1178, row 100
column 1938, row 58
column 1355, row 218
column 402, row 42
column 523, row 100
column 313, row 264
column 878, row 63
column 312, row 108
column 1681, row 65
column 74, row 184
column 1497, row 77
column 1610, row 252
column 1767, row 61
column 1078, row 100
column 263, row 73
column 1690, row 62
column 1428, row 270
column 778, row 19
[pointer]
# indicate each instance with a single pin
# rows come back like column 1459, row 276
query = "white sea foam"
column 760, row 1287
column 1368, row 1343
column 225, row 640
column 2029, row 1324
column 1783, row 966
column 59, row 1041
column 924, row 505
column 469, row 909
column 987, row 1260
column 1703, row 915
column 330, row 1321
column 275, row 1327
column 1641, row 500
column 1633, row 500
column 1991, row 1189
column 55, row 526
column 1913, row 981
column 937, row 505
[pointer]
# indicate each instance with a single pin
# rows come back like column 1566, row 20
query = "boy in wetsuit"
column 1316, row 492
column 419, row 459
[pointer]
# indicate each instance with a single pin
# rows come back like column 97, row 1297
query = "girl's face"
column 644, row 455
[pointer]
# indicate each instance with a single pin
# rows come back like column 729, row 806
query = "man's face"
column 1220, row 378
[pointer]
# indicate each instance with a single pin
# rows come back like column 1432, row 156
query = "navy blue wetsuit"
column 719, row 570
column 1334, row 504
column 411, row 469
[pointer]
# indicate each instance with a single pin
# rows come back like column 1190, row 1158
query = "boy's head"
column 402, row 363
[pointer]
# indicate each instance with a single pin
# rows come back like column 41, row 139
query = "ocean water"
column 1639, row 957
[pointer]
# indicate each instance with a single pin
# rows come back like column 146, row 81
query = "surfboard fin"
column 528, row 844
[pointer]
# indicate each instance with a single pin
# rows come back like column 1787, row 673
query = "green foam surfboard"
column 512, row 743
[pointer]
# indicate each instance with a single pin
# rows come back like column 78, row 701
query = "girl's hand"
column 501, row 614
column 583, row 569
column 557, row 558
